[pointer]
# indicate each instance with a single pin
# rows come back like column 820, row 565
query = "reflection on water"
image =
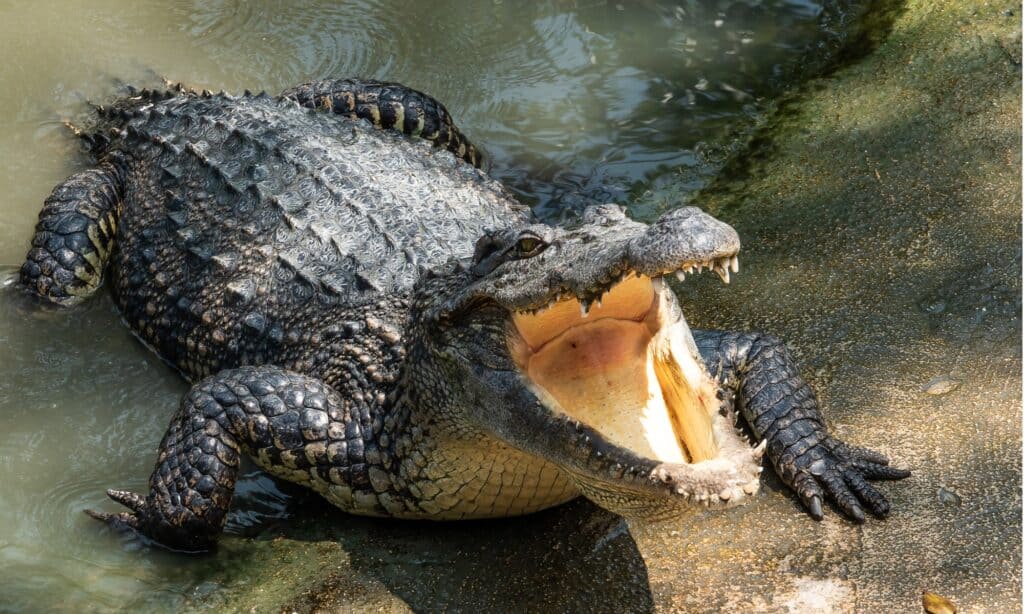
column 574, row 101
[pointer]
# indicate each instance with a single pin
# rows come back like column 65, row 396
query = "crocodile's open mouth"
column 615, row 369
column 627, row 367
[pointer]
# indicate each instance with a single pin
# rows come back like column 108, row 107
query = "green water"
column 575, row 102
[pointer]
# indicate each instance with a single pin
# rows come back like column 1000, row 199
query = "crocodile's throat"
column 625, row 368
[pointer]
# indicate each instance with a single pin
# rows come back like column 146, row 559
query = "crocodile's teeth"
column 680, row 276
column 700, row 267
column 734, row 264
column 759, row 450
column 584, row 309
column 723, row 273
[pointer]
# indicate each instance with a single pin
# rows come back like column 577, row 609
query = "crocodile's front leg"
column 780, row 407
column 289, row 423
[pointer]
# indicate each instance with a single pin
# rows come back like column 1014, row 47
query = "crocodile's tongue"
column 622, row 371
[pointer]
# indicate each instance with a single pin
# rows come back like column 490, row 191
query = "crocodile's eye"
column 529, row 246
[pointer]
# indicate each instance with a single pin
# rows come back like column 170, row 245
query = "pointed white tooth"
column 759, row 450
column 734, row 264
column 723, row 273
column 700, row 267
column 658, row 283
column 680, row 276
column 584, row 309
column 597, row 303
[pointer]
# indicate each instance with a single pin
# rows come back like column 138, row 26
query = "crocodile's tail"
column 390, row 106
column 75, row 235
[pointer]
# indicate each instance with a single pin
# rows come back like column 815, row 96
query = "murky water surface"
column 574, row 101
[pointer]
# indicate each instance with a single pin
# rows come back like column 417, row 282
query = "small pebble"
column 934, row 307
column 941, row 385
column 8, row 278
column 949, row 497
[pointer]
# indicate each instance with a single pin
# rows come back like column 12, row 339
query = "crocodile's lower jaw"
column 626, row 369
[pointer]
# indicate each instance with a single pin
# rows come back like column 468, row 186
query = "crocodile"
column 359, row 308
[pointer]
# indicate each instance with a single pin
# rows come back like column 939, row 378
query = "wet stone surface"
column 576, row 557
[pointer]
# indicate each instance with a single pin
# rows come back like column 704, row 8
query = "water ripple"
column 278, row 48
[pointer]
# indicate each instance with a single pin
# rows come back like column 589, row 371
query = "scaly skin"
column 340, row 295
column 293, row 425
column 388, row 106
column 74, row 236
column 780, row 407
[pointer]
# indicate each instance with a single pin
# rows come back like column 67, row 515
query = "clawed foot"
column 123, row 520
column 175, row 529
column 840, row 472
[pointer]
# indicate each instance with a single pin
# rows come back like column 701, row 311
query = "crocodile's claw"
column 123, row 520
column 838, row 471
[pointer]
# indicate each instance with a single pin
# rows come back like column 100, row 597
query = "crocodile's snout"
column 688, row 236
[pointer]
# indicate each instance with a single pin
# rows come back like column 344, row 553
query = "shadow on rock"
column 574, row 557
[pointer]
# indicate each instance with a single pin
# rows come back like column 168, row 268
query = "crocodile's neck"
column 448, row 467
column 456, row 471
column 412, row 455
